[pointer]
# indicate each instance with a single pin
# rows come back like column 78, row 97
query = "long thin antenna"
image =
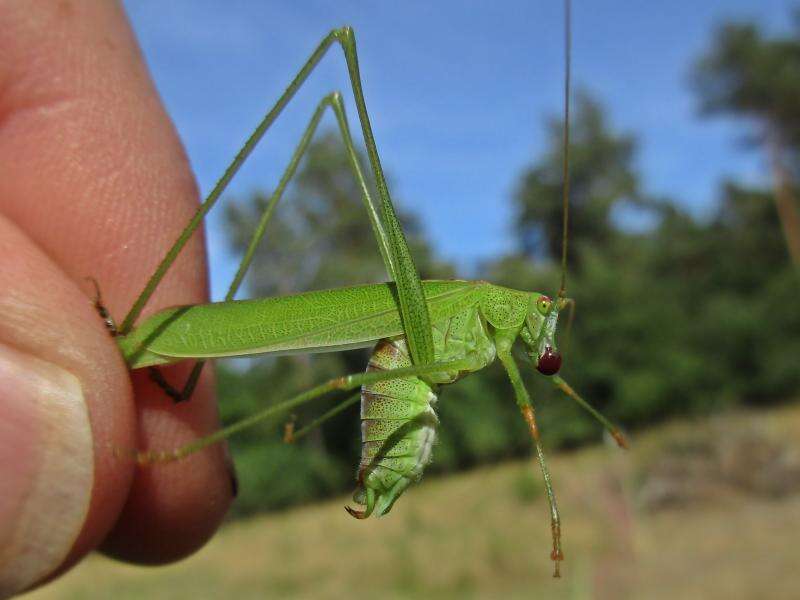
column 565, row 174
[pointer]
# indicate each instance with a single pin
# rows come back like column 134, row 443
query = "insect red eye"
column 543, row 305
column 549, row 362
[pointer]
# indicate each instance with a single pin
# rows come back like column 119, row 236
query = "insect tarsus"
column 111, row 326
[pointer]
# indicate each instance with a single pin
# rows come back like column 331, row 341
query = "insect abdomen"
column 398, row 429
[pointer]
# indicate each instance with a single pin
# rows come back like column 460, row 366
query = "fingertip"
column 174, row 507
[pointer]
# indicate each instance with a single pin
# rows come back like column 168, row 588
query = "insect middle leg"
column 348, row 382
column 291, row 435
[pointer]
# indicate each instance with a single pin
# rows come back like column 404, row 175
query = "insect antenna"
column 565, row 161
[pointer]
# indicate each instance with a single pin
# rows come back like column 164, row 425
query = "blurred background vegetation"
column 676, row 315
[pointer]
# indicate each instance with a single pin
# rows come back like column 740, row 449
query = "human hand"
column 93, row 182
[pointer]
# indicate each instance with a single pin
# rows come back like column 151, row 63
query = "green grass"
column 486, row 534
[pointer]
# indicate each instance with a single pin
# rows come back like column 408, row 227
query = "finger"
column 87, row 140
column 65, row 406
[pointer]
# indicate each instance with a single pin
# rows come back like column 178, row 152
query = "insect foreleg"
column 612, row 429
column 504, row 342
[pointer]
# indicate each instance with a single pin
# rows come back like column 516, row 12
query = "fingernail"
column 46, row 468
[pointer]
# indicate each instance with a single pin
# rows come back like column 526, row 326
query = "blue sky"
column 458, row 92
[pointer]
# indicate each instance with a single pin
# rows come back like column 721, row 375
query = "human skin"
column 93, row 182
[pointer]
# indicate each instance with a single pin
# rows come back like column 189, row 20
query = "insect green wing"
column 319, row 321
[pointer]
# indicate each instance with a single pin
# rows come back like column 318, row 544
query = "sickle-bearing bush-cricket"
column 426, row 334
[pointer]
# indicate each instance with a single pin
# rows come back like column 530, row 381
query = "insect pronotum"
column 426, row 333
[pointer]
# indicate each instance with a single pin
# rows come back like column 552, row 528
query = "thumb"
column 64, row 409
column 46, row 465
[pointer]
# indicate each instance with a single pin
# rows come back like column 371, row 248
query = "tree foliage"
column 748, row 74
column 601, row 176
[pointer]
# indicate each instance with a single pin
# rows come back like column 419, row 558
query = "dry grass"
column 485, row 534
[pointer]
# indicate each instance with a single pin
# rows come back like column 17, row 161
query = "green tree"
column 748, row 74
column 601, row 177
column 670, row 320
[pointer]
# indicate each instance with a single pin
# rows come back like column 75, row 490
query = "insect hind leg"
column 101, row 309
column 177, row 395
column 334, row 102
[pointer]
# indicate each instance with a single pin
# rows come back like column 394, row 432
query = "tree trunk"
column 784, row 197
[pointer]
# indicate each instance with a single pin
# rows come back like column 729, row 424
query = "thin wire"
column 565, row 174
